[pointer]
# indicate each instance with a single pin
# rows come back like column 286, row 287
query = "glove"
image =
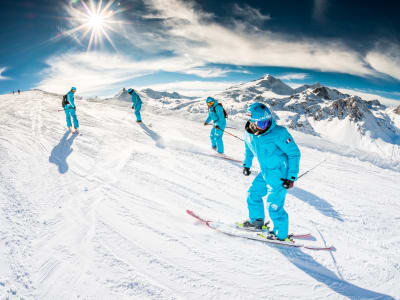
column 246, row 171
column 133, row 106
column 217, row 127
column 205, row 123
column 287, row 183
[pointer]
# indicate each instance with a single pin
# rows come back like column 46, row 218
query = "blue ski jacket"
column 216, row 114
column 71, row 100
column 277, row 154
column 136, row 100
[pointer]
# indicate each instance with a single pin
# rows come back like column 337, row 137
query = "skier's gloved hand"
column 133, row 106
column 287, row 183
column 217, row 127
column 205, row 123
column 246, row 171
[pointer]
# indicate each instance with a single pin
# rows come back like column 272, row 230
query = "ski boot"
column 257, row 225
column 272, row 236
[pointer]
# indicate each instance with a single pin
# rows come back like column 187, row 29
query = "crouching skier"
column 70, row 111
column 279, row 158
column 216, row 114
column 136, row 104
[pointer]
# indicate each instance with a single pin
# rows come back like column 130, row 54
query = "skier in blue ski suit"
column 70, row 110
column 216, row 114
column 279, row 158
column 136, row 104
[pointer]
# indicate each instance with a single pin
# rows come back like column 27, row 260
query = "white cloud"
column 2, row 70
column 294, row 76
column 386, row 61
column 193, row 33
column 94, row 72
column 192, row 88
column 253, row 15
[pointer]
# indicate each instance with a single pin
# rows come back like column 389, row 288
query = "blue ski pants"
column 71, row 113
column 272, row 187
column 138, row 107
column 216, row 139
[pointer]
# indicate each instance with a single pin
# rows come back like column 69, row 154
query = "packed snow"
column 102, row 215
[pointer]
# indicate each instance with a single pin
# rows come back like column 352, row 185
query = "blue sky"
column 199, row 47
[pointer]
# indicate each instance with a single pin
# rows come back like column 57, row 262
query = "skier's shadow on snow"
column 154, row 136
column 61, row 151
column 308, row 265
column 318, row 203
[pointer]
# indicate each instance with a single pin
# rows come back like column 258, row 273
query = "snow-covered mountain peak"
column 159, row 95
column 275, row 85
column 304, row 87
column 123, row 95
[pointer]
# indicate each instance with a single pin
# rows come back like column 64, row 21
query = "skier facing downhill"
column 70, row 111
column 279, row 158
column 136, row 104
column 216, row 114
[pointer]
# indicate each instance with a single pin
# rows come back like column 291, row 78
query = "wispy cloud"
column 97, row 71
column 294, row 76
column 319, row 10
column 252, row 14
column 194, row 33
column 386, row 60
column 2, row 70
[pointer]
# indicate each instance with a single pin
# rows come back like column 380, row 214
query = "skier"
column 70, row 111
column 279, row 158
column 216, row 114
column 136, row 104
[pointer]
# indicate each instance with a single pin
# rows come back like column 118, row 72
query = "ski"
column 259, row 236
column 292, row 235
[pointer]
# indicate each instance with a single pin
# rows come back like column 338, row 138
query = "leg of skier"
column 218, row 141
column 74, row 118
column 275, row 203
column 137, row 112
column 213, row 138
column 255, row 203
column 68, row 118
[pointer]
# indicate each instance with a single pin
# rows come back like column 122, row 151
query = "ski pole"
column 231, row 134
column 311, row 169
column 225, row 127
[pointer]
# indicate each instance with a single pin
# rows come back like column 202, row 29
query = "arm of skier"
column 248, row 156
column 208, row 119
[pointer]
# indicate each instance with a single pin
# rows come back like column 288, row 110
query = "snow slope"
column 102, row 215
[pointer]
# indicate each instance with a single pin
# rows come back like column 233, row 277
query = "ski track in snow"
column 101, row 215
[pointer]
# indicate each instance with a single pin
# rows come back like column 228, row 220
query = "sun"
column 93, row 21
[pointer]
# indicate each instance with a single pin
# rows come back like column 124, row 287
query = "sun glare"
column 93, row 21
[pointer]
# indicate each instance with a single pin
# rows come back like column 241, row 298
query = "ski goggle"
column 262, row 124
column 210, row 103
